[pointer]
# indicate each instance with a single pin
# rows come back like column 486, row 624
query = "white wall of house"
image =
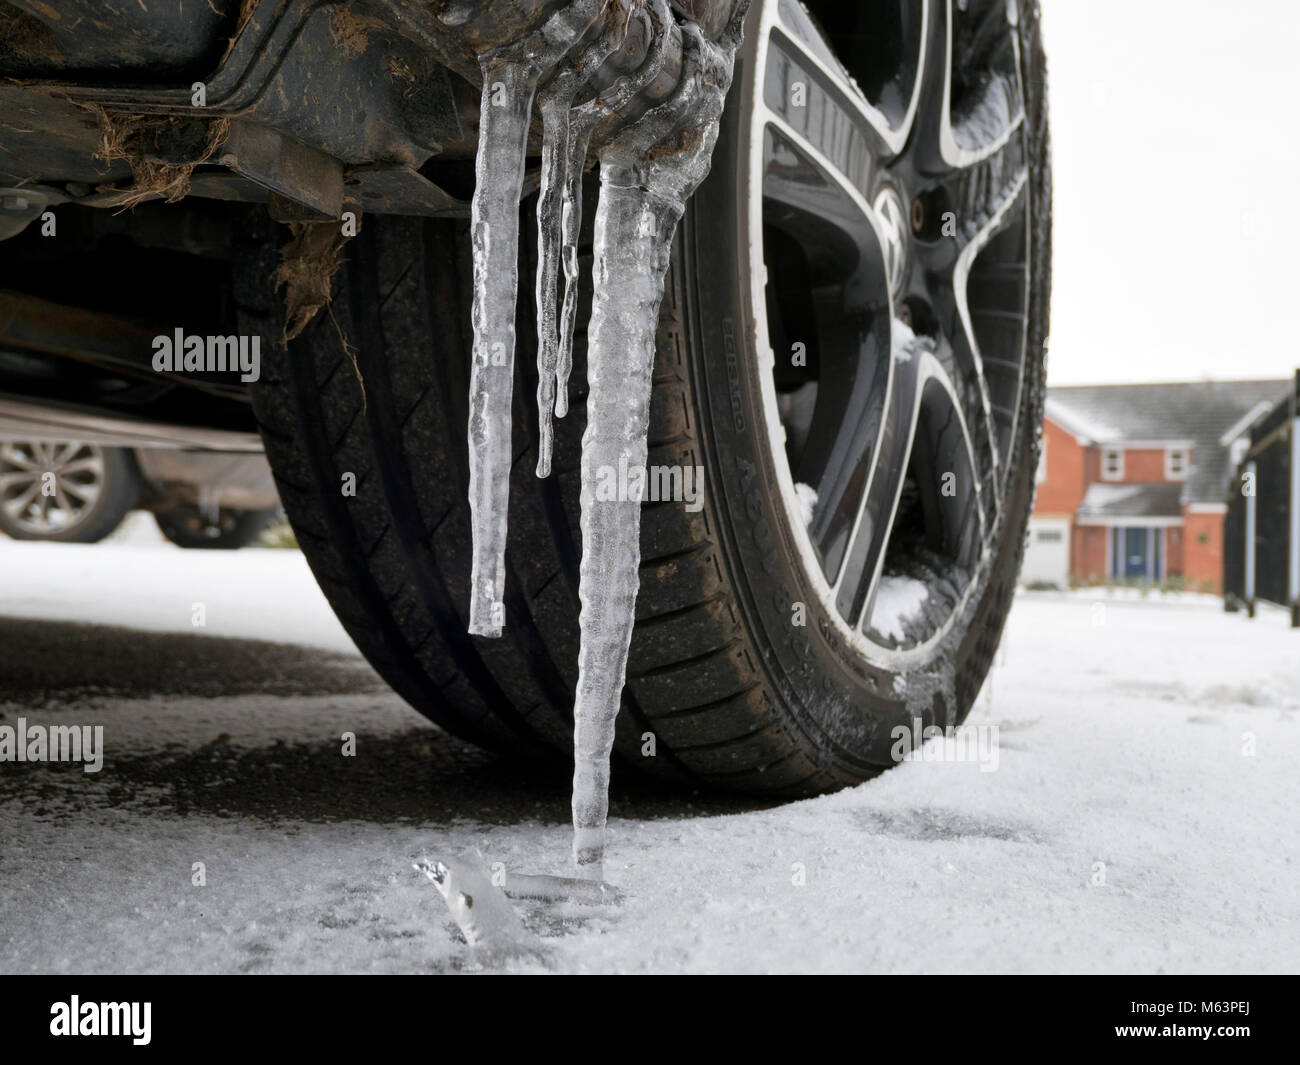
column 1047, row 552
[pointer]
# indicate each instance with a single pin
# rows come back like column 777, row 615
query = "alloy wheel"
column 890, row 199
column 49, row 488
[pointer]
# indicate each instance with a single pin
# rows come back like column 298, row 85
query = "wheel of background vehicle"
column 866, row 482
column 189, row 526
column 91, row 490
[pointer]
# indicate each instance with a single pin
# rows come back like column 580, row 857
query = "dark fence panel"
column 1234, row 546
column 1270, row 563
column 1272, row 519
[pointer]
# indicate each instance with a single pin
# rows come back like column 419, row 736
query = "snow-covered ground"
column 1143, row 815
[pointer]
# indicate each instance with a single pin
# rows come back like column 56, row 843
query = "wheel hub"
column 888, row 206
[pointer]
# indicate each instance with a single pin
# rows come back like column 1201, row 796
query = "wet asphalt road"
column 410, row 770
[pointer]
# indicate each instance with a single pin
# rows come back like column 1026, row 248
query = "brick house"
column 1133, row 480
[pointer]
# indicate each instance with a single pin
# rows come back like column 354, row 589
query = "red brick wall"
column 1203, row 562
column 1143, row 465
column 1062, row 491
column 1174, row 551
column 1088, row 552
column 1091, row 466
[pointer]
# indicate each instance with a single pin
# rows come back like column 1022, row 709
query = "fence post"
column 1248, row 584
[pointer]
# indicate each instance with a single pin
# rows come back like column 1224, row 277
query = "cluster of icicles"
column 647, row 173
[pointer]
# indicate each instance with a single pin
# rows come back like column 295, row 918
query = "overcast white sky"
column 1176, row 130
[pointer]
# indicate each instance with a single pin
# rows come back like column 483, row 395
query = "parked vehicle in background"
column 79, row 492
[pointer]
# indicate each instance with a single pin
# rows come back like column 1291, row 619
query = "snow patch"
column 990, row 117
column 898, row 600
column 807, row 496
column 1104, row 495
column 1195, row 878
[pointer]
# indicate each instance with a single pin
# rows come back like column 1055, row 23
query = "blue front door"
column 1135, row 553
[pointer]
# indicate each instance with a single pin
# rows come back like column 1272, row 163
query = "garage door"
column 1047, row 554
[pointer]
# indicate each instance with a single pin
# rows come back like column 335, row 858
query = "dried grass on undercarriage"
column 306, row 272
column 127, row 137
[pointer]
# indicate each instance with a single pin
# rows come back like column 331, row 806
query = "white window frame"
column 1040, row 475
column 1106, row 452
column 1170, row 452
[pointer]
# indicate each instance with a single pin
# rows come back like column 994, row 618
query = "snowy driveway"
column 1127, row 826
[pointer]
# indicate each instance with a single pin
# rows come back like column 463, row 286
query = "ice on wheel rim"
column 901, row 416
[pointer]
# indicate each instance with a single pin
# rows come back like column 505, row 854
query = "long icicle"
column 510, row 79
column 631, row 256
column 647, row 174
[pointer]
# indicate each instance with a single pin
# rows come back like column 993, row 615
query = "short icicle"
column 555, row 104
column 582, row 122
column 570, row 225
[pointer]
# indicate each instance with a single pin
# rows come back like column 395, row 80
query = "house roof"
column 1132, row 501
column 1193, row 412
column 1073, row 424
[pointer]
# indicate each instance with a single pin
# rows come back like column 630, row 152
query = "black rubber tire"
column 119, row 496
column 240, row 528
column 735, row 696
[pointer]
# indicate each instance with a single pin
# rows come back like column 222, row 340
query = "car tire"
column 744, row 668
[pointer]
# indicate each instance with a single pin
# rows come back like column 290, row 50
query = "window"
column 1112, row 464
column 1049, row 536
column 1176, row 463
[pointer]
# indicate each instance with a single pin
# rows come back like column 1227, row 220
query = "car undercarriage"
column 172, row 138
